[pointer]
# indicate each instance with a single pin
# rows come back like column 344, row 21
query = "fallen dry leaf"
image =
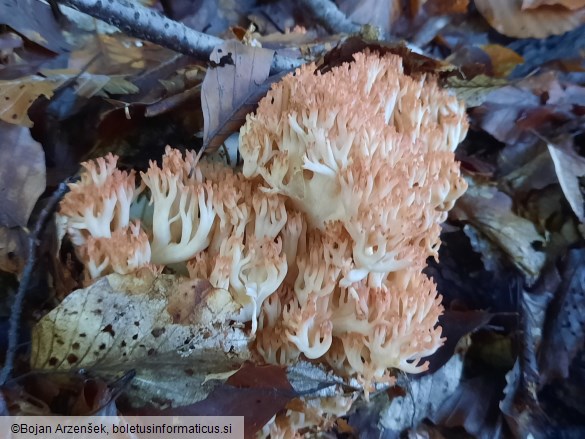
column 564, row 332
column 475, row 91
column 62, row 393
column 35, row 21
column 129, row 318
column 569, row 4
column 472, row 406
column 13, row 248
column 22, row 174
column 118, row 54
column 569, row 167
column 508, row 18
column 444, row 7
column 491, row 213
column 424, row 397
column 381, row 13
column 504, row 60
column 232, row 90
column 18, row 95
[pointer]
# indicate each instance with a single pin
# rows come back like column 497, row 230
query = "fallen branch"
column 330, row 17
column 140, row 22
column 16, row 309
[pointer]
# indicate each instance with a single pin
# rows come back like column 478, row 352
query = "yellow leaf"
column 16, row 97
column 504, row 60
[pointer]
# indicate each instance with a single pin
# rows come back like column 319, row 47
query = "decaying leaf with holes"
column 121, row 319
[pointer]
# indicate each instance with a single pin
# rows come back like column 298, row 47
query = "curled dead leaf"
column 232, row 90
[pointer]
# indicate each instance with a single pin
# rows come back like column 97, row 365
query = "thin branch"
column 330, row 17
column 16, row 310
column 140, row 22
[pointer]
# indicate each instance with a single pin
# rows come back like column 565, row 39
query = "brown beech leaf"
column 413, row 63
column 22, row 174
column 232, row 89
column 265, row 376
column 569, row 167
column 508, row 18
column 569, row 4
column 255, row 392
column 444, row 7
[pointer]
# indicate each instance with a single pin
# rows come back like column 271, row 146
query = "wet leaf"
column 232, row 90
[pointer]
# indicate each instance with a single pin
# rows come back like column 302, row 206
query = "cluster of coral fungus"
column 321, row 238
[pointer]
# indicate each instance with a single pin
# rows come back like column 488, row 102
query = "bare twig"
column 330, row 17
column 138, row 21
column 16, row 310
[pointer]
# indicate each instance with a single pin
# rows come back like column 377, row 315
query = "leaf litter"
column 510, row 266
